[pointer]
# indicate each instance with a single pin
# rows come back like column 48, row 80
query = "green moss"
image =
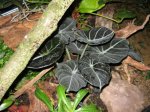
column 5, row 53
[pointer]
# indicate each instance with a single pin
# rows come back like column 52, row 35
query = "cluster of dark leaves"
column 96, row 49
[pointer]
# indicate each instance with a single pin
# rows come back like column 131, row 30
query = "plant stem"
column 84, row 51
column 68, row 54
column 100, row 15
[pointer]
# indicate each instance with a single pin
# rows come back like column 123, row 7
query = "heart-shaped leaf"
column 95, row 36
column 89, row 6
column 69, row 76
column 95, row 72
column 66, row 30
column 111, row 52
column 124, row 14
column 76, row 47
column 47, row 55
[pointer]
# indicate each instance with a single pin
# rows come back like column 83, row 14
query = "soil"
column 141, row 42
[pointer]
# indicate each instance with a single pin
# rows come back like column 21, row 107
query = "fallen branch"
column 30, row 83
column 130, row 29
column 32, row 41
column 136, row 64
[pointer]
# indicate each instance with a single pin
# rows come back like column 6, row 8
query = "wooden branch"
column 130, row 29
column 136, row 64
column 32, row 41
column 30, row 83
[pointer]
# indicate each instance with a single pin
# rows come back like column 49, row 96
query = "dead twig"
column 130, row 29
column 136, row 64
column 30, row 83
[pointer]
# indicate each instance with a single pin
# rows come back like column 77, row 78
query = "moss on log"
column 44, row 28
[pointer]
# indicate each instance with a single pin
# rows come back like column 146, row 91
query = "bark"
column 45, row 27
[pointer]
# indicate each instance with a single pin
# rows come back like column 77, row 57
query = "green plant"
column 122, row 14
column 39, row 1
column 36, row 5
column 7, row 3
column 65, row 104
column 5, row 53
column 95, row 50
column 147, row 77
column 7, row 103
column 91, row 6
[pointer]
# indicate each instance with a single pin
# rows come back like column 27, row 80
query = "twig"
column 136, row 64
column 125, row 67
column 30, row 83
column 131, row 29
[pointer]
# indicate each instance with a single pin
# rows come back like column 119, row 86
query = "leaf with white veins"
column 76, row 47
column 69, row 76
column 111, row 52
column 66, row 30
column 95, row 72
column 95, row 36
column 47, row 55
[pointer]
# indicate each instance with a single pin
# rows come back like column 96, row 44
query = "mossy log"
column 32, row 41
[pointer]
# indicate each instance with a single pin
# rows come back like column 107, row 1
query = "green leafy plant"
column 49, row 54
column 95, row 50
column 7, row 103
column 65, row 104
column 5, row 53
column 147, row 77
column 122, row 14
column 39, row 1
column 91, row 6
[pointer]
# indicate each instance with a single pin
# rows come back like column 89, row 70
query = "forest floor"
column 13, row 33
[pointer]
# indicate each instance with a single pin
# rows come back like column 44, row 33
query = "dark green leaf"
column 147, row 77
column 47, row 55
column 124, row 14
column 39, row 1
column 134, row 55
column 76, row 47
column 111, row 52
column 95, row 72
column 44, row 98
column 69, row 76
column 89, row 6
column 95, row 36
column 66, row 30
